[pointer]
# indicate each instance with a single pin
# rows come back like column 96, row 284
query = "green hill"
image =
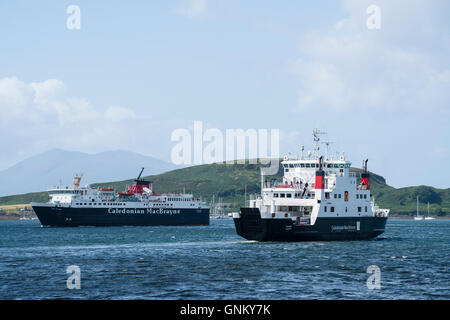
column 24, row 198
column 227, row 182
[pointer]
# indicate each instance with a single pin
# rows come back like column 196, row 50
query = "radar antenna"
column 316, row 133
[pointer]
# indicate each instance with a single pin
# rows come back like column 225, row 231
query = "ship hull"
column 61, row 216
column 251, row 226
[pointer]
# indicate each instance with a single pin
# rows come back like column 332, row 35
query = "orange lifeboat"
column 106, row 189
column 125, row 194
column 282, row 186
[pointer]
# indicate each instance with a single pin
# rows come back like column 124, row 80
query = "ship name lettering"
column 143, row 211
column 341, row 228
column 133, row 211
column 163, row 211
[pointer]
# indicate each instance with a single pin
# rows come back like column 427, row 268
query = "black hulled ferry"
column 319, row 199
column 138, row 206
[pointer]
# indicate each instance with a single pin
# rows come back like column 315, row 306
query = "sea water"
column 213, row 262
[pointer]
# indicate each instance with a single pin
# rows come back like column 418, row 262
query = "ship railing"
column 289, row 186
column 273, row 185
column 381, row 212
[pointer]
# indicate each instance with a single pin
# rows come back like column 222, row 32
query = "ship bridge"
column 300, row 172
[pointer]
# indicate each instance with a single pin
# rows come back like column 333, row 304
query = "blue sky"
column 138, row 70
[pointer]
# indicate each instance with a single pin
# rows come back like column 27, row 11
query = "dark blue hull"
column 251, row 227
column 72, row 217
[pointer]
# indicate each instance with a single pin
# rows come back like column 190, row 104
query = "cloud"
column 117, row 114
column 47, row 100
column 13, row 91
column 40, row 115
column 403, row 65
column 192, row 9
column 47, row 91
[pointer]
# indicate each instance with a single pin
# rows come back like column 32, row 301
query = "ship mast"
column 139, row 176
column 316, row 133
column 262, row 181
column 417, row 211
column 327, row 144
column 77, row 179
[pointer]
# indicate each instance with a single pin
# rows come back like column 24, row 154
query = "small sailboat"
column 24, row 217
column 428, row 217
column 418, row 217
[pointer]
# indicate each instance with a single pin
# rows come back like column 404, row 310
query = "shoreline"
column 6, row 217
column 412, row 217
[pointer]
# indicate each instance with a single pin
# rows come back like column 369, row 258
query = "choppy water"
column 214, row 263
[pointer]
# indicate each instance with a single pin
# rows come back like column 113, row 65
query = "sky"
column 135, row 71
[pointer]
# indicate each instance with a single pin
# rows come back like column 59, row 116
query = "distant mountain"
column 46, row 170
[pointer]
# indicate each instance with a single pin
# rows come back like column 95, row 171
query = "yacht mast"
column 417, row 210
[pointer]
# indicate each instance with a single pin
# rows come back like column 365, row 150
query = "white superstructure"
column 137, row 196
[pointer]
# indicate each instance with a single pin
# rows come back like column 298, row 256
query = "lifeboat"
column 106, row 189
column 125, row 194
column 282, row 186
